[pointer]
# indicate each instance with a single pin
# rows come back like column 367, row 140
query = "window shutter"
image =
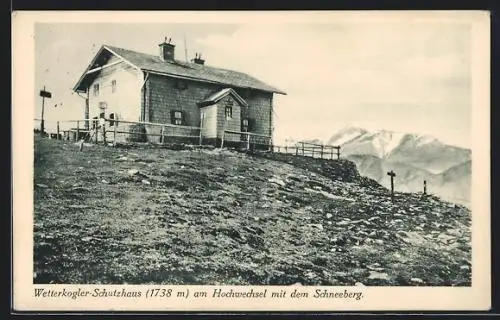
column 172, row 117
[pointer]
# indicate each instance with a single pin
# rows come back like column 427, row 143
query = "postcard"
column 251, row 161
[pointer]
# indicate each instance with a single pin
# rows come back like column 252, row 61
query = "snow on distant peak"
column 425, row 139
column 392, row 141
column 346, row 134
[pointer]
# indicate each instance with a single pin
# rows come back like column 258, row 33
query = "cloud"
column 332, row 70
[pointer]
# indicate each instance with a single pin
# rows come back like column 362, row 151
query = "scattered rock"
column 417, row 280
column 277, row 181
column 328, row 215
column 144, row 181
column 78, row 206
column 344, row 223
column 378, row 275
column 133, row 172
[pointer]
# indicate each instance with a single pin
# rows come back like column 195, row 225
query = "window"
column 229, row 112
column 94, row 122
column 229, row 108
column 113, row 86
column 244, row 125
column 177, row 117
column 180, row 84
column 111, row 118
column 96, row 90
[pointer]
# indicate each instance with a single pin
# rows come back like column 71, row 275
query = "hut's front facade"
column 125, row 85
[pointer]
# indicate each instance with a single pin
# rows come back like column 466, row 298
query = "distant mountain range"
column 413, row 157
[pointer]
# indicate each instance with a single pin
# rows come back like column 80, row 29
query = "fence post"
column 286, row 149
column 57, row 130
column 248, row 142
column 331, row 153
column 222, row 140
column 104, row 132
column 77, row 130
column 96, row 131
column 202, row 117
column 114, row 133
column 162, row 135
column 338, row 152
column 278, row 149
column 312, row 154
column 302, row 148
column 321, row 151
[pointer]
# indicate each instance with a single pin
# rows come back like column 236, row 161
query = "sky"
column 403, row 75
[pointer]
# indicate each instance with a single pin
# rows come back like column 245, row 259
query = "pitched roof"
column 188, row 70
column 216, row 97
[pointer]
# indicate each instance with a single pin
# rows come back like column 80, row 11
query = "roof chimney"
column 198, row 60
column 167, row 50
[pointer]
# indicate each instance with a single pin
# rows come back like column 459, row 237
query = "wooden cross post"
column 57, row 137
column 392, row 174
column 425, row 186
column 44, row 94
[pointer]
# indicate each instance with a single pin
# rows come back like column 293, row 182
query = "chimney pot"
column 197, row 59
column 167, row 50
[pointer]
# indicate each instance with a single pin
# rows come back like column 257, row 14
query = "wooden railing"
column 249, row 138
column 307, row 149
column 108, row 130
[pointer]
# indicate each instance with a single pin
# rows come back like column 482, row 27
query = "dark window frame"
column 96, row 90
column 180, row 84
column 113, row 86
column 112, row 119
column 229, row 112
column 178, row 121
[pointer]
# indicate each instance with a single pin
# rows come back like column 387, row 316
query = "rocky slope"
column 152, row 215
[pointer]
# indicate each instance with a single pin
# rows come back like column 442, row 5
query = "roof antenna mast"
column 185, row 49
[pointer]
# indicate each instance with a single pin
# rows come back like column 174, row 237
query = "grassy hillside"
column 151, row 215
